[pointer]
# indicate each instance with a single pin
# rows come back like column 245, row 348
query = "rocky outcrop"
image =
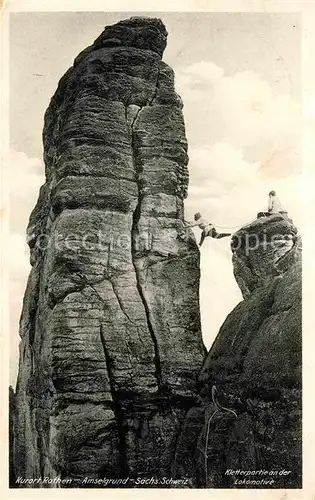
column 249, row 412
column 266, row 248
column 110, row 329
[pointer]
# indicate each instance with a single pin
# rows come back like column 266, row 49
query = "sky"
column 239, row 77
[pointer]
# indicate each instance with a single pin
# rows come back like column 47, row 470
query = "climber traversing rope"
column 208, row 229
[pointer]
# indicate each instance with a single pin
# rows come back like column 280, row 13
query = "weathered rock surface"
column 266, row 248
column 110, row 330
column 249, row 412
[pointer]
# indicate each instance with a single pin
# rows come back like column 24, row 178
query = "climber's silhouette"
column 208, row 229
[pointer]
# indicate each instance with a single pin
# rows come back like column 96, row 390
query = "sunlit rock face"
column 110, row 330
column 266, row 248
column 249, row 415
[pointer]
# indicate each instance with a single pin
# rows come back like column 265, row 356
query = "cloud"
column 243, row 110
column 229, row 190
column 199, row 76
column 224, row 176
column 220, row 163
column 244, row 141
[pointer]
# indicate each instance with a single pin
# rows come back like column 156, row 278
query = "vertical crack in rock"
column 117, row 408
column 120, row 303
column 151, row 330
column 135, row 234
column 134, row 250
column 150, row 103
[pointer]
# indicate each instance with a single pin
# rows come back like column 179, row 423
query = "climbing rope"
column 243, row 225
column 234, row 227
column 218, row 408
column 217, row 404
column 230, row 227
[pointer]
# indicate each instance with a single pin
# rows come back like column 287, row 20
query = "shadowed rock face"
column 249, row 412
column 111, row 342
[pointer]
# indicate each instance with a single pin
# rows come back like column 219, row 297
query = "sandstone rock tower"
column 110, row 329
column 249, row 415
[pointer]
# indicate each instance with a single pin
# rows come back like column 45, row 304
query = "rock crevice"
column 119, row 416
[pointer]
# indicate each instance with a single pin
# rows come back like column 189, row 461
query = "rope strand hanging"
column 218, row 408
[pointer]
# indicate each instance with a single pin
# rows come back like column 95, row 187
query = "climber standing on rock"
column 208, row 229
column 274, row 206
